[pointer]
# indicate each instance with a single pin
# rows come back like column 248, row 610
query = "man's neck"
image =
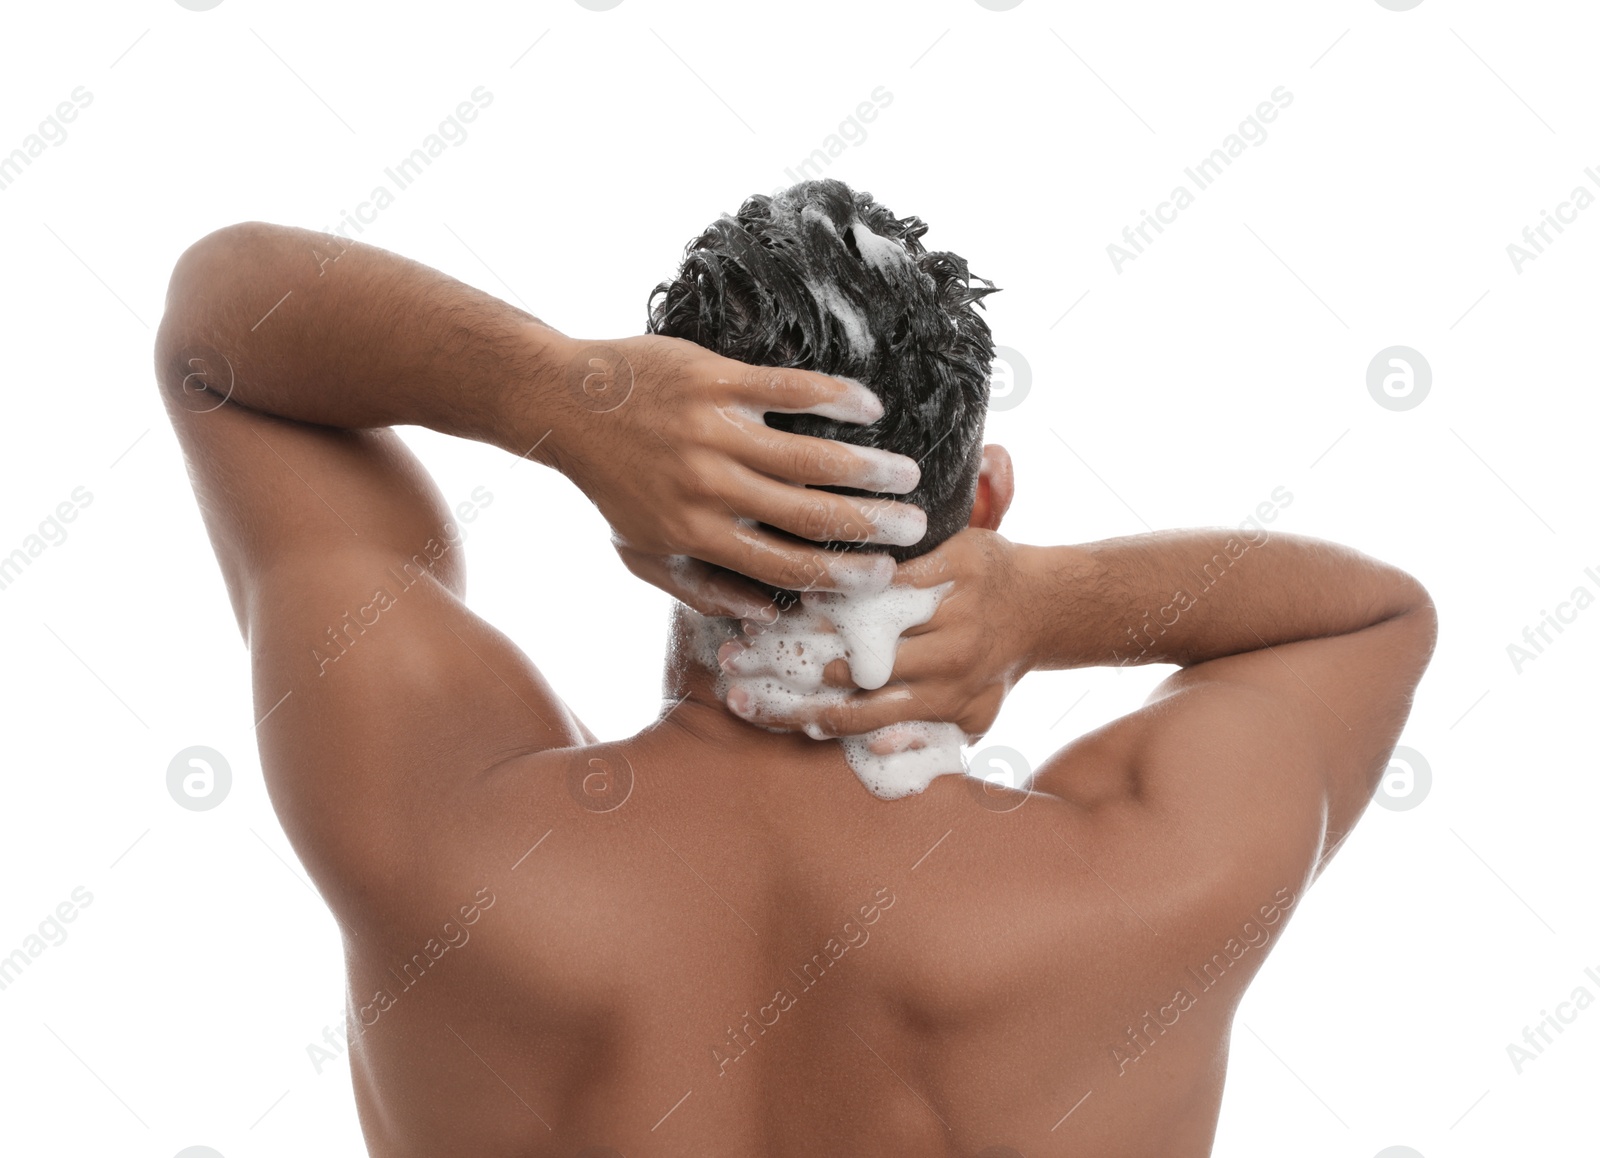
column 692, row 677
column 695, row 685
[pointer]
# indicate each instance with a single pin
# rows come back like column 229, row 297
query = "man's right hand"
column 683, row 467
column 956, row 668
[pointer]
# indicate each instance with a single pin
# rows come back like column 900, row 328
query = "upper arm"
column 1242, row 774
column 378, row 694
column 1304, row 724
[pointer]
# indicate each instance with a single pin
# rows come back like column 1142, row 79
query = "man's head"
column 823, row 278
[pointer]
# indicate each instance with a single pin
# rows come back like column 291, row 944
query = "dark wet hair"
column 823, row 278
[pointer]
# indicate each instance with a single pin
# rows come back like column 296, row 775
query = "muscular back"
column 734, row 949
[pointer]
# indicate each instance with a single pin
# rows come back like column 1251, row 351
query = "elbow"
column 1430, row 617
column 219, row 257
column 186, row 343
column 1423, row 617
column 1418, row 599
column 1402, row 594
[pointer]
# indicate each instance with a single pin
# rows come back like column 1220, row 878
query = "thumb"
column 699, row 586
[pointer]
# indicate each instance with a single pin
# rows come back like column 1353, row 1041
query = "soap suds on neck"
column 780, row 670
column 936, row 751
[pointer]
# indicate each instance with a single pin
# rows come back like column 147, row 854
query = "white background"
column 1228, row 359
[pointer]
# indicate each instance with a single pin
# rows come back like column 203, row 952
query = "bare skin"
column 710, row 939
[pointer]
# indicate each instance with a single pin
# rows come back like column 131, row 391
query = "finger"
column 700, row 587
column 738, row 658
column 731, row 657
column 932, row 701
column 823, row 517
column 829, row 716
column 933, row 567
column 714, row 591
column 872, row 660
column 915, row 656
column 837, row 675
column 907, row 737
column 794, row 665
column 766, row 558
column 800, row 458
column 826, row 714
column 789, row 391
column 864, row 712
column 930, row 655
column 978, row 714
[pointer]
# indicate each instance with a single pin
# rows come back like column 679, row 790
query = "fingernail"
column 892, row 474
column 860, row 405
column 864, row 573
column 899, row 524
column 871, row 405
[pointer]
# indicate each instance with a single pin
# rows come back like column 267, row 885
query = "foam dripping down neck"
column 779, row 672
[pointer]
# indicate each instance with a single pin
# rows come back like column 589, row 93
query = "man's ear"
column 996, row 488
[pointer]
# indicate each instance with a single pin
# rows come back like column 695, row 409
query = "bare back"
column 681, row 949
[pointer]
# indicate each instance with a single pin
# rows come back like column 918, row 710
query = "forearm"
column 1187, row 596
column 308, row 326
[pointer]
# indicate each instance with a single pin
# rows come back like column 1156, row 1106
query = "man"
column 711, row 938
